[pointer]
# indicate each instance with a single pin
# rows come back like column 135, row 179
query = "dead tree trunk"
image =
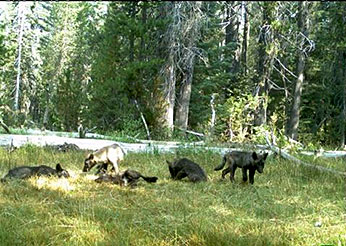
column 168, row 71
column 246, row 36
column 232, row 35
column 21, row 21
column 266, row 53
column 190, row 33
column 293, row 121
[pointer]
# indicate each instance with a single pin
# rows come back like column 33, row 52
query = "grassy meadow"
column 281, row 208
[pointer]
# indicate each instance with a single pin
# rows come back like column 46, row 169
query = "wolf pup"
column 186, row 168
column 23, row 172
column 109, row 155
column 244, row 160
column 129, row 177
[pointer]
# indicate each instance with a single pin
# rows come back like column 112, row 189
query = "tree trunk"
column 132, row 13
column 246, row 36
column 190, row 34
column 169, row 74
column 142, row 54
column 342, row 56
column 232, row 35
column 21, row 20
column 266, row 52
column 293, row 121
column 183, row 104
column 342, row 72
column 168, row 71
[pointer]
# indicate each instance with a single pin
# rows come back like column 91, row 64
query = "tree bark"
column 232, row 35
column 266, row 53
column 190, row 34
column 21, row 20
column 183, row 104
column 246, row 36
column 168, row 71
column 342, row 74
column 293, row 121
column 169, row 74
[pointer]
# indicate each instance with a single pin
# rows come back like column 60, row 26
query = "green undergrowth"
column 281, row 208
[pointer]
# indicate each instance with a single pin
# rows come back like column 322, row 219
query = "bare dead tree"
column 190, row 33
column 293, row 121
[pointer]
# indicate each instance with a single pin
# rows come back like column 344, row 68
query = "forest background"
column 231, row 71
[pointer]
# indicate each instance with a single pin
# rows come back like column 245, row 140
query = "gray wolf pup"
column 184, row 167
column 23, row 172
column 109, row 155
column 246, row 161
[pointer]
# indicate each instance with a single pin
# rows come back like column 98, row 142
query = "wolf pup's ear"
column 254, row 155
column 58, row 167
column 91, row 156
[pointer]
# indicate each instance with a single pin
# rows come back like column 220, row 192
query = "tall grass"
column 281, row 208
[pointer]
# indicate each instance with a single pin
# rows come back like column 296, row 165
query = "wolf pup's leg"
column 225, row 171
column 180, row 175
column 244, row 174
column 233, row 168
column 102, row 168
column 115, row 168
column 252, row 175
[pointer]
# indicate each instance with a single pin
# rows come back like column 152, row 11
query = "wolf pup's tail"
column 219, row 167
column 150, row 179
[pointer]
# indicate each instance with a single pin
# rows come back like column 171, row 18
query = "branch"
column 292, row 158
column 5, row 127
column 191, row 132
column 143, row 119
column 283, row 66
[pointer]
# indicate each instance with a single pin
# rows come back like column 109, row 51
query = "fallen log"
column 287, row 156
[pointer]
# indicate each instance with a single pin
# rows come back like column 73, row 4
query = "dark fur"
column 129, row 177
column 184, row 167
column 24, row 172
column 247, row 161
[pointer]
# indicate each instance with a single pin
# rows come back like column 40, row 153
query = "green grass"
column 281, row 208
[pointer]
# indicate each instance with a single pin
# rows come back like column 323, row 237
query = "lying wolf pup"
column 127, row 178
column 245, row 160
column 23, row 172
column 184, row 167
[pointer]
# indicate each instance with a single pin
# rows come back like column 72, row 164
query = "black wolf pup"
column 127, row 178
column 24, row 172
column 184, row 167
column 244, row 160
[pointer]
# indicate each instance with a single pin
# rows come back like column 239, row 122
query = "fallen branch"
column 292, row 158
column 191, row 132
column 143, row 119
column 5, row 127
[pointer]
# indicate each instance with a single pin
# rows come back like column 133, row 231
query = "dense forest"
column 228, row 70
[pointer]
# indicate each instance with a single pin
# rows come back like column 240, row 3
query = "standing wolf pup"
column 246, row 161
column 112, row 155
